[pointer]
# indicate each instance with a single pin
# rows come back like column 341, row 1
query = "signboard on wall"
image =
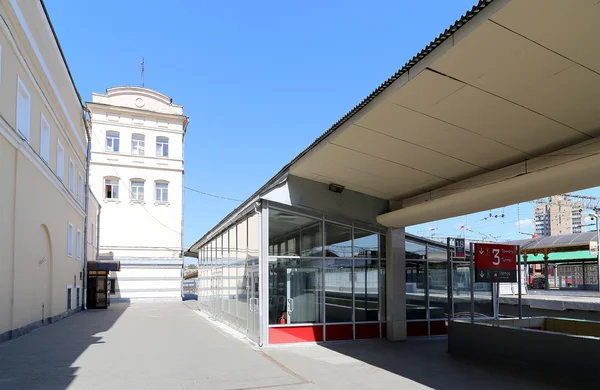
column 495, row 263
column 459, row 248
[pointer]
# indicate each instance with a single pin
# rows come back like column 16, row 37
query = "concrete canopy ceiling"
column 515, row 91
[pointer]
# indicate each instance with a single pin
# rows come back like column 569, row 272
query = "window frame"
column 112, row 198
column 137, row 143
column 162, row 146
column 60, row 160
column 23, row 120
column 113, row 138
column 136, row 199
column 69, row 302
column 78, row 244
column 80, row 188
column 156, row 188
column 45, row 135
column 71, row 176
column 70, row 233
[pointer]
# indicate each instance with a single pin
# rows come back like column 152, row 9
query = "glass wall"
column 325, row 278
column 228, row 277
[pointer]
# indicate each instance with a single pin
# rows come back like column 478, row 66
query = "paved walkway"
column 169, row 346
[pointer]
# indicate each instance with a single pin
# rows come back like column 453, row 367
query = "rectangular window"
column 23, row 109
column 70, row 240
column 69, row 297
column 113, row 285
column 111, row 188
column 112, row 141
column 137, row 144
column 78, row 244
column 137, row 190
column 71, row 176
column 45, row 140
column 78, row 292
column 162, row 192
column 60, row 161
column 162, row 147
column 80, row 189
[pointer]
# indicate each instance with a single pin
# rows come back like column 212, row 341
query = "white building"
column 137, row 173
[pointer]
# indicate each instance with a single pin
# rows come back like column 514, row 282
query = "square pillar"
column 395, row 285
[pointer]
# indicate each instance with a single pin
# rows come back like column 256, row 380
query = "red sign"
column 495, row 263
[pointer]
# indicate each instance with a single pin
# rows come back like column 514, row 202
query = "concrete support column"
column 395, row 285
column 546, row 273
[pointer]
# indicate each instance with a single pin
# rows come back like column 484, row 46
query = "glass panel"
column 415, row 250
column 366, row 303
column 295, row 291
column 365, row 244
column 338, row 240
column 415, row 290
column 382, row 244
column 438, row 290
column 338, row 290
column 382, row 292
column 284, row 232
column 312, row 241
column 435, row 253
column 462, row 296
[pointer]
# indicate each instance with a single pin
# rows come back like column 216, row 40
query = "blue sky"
column 260, row 80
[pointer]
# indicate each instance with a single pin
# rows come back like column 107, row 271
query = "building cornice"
column 135, row 126
column 133, row 111
column 154, row 168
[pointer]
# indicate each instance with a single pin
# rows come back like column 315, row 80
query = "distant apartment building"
column 43, row 158
column 137, row 171
column 558, row 216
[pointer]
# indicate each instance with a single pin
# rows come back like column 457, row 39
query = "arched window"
column 112, row 141
column 137, row 190
column 111, row 188
column 138, row 142
column 162, row 191
column 162, row 147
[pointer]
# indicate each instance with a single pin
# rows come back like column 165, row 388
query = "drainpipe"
column 98, row 233
column 87, row 201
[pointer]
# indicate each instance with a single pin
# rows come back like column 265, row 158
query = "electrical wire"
column 213, row 195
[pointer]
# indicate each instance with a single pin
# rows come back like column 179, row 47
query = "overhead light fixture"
column 336, row 188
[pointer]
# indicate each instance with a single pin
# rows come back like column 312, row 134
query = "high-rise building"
column 137, row 173
column 558, row 216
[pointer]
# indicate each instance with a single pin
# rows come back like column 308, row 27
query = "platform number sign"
column 495, row 263
column 459, row 248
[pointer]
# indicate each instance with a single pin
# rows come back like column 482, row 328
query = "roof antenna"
column 142, row 71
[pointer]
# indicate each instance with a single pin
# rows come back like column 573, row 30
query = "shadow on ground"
column 44, row 358
column 427, row 362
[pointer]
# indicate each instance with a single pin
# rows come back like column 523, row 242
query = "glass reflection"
column 366, row 302
column 338, row 290
column 295, row 291
column 415, row 250
column 338, row 240
column 285, row 230
column 415, row 290
column 438, row 290
column 365, row 244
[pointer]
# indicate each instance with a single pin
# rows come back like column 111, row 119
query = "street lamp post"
column 595, row 217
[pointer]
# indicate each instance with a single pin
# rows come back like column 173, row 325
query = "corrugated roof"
column 412, row 62
column 569, row 240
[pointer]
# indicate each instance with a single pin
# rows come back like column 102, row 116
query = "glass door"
column 253, row 304
column 303, row 293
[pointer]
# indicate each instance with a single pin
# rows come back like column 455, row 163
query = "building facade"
column 137, row 171
column 559, row 216
column 43, row 155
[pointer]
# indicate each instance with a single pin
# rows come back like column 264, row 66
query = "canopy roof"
column 564, row 243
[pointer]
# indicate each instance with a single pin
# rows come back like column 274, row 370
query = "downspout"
column 87, row 202
column 98, row 233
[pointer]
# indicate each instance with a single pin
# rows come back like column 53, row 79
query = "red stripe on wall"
column 367, row 331
column 296, row 334
column 438, row 328
column 416, row 329
column 339, row 332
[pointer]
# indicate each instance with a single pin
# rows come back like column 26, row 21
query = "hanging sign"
column 495, row 263
column 459, row 248
column 594, row 248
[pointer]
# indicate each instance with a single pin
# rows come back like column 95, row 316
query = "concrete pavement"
column 170, row 346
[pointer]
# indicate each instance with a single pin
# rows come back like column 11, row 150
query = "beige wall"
column 35, row 205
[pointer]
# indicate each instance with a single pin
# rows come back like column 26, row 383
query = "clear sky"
column 260, row 80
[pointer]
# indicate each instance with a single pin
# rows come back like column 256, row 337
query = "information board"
column 495, row 263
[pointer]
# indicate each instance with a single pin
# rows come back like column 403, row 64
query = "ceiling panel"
column 568, row 27
column 357, row 169
column 411, row 155
column 515, row 68
column 434, row 134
